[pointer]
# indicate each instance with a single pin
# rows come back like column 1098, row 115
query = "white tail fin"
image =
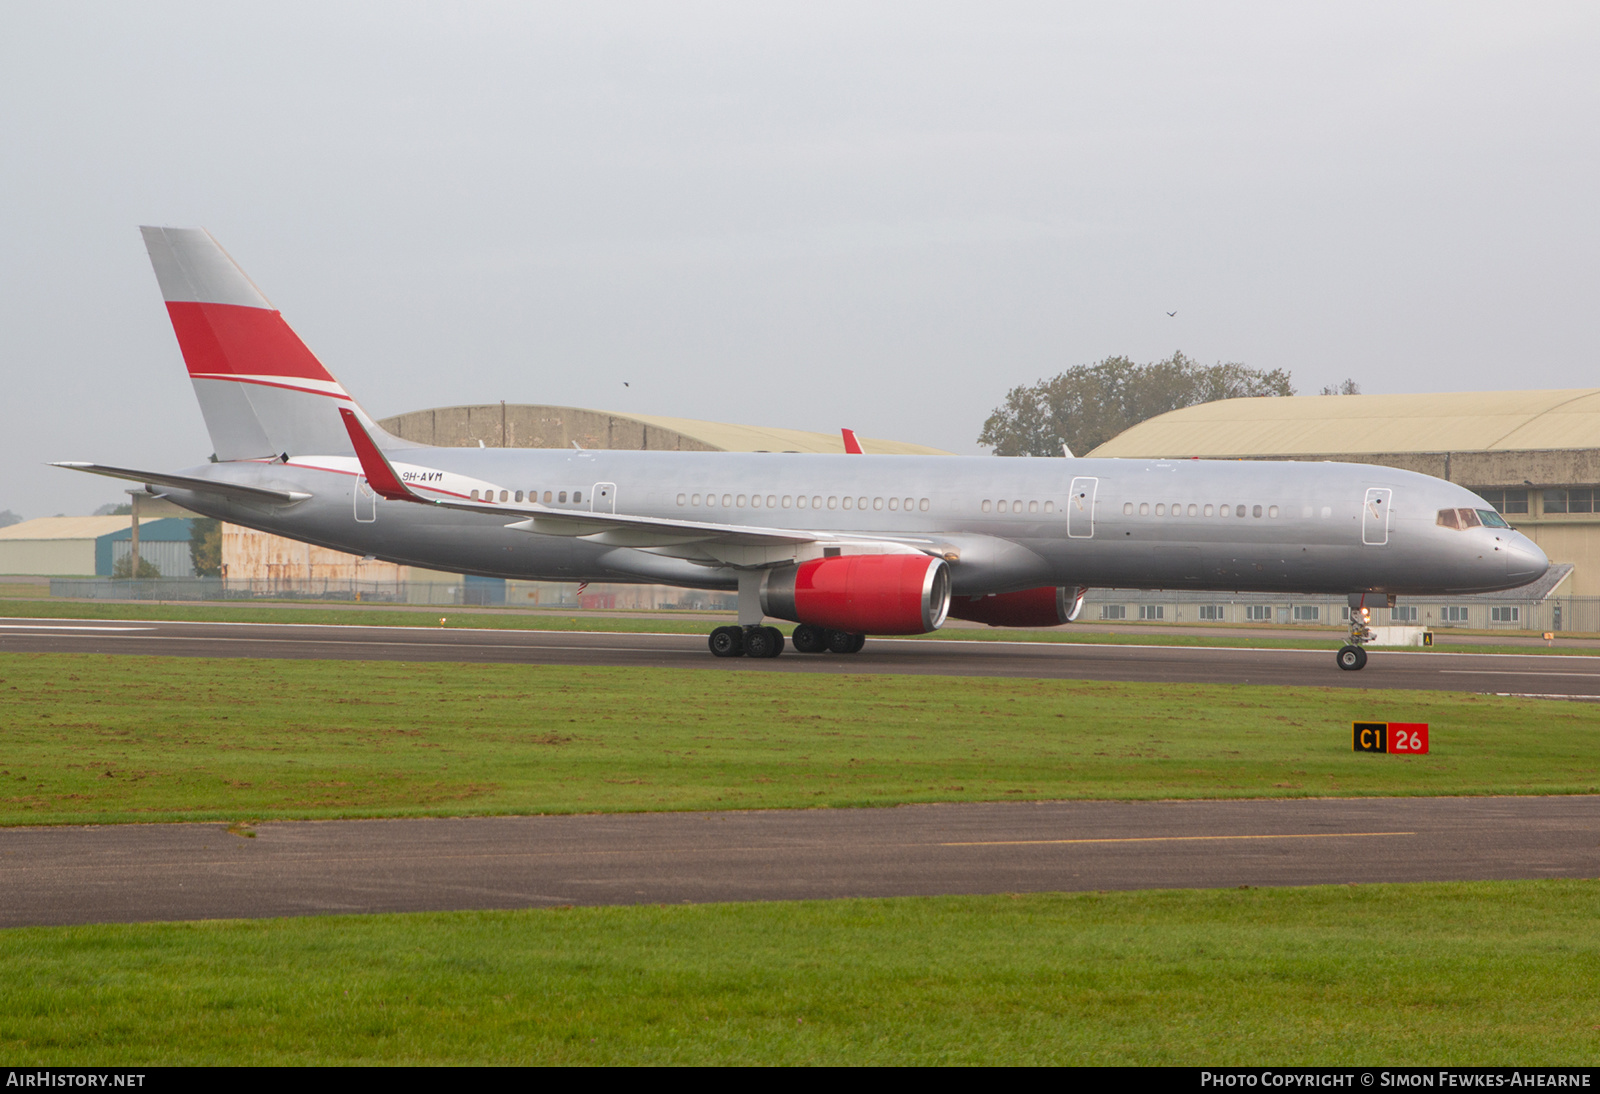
column 263, row 393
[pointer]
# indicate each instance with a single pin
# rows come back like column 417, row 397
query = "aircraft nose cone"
column 1524, row 559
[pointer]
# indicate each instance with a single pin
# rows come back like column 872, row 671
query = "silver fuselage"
column 1321, row 528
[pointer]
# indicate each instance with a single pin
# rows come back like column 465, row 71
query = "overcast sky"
column 809, row 215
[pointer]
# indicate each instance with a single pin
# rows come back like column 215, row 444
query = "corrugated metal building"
column 90, row 546
column 1535, row 455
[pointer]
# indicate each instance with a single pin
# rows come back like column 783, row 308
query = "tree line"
column 1086, row 406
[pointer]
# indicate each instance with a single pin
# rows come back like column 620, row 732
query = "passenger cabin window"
column 562, row 496
column 577, row 496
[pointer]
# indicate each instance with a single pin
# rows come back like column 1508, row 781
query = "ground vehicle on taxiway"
column 843, row 545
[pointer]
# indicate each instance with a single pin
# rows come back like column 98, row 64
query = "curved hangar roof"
column 1311, row 425
column 520, row 425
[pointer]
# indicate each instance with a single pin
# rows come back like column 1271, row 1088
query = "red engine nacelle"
column 862, row 594
column 1047, row 606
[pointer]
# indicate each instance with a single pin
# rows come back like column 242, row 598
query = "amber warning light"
column 1404, row 738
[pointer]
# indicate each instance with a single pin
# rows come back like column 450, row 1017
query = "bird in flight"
column 624, row 383
column 1170, row 314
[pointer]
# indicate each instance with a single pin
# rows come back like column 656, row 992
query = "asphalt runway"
column 1570, row 677
column 132, row 873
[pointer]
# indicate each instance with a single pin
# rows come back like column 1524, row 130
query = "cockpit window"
column 1462, row 519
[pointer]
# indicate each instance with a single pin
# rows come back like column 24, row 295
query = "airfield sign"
column 1401, row 738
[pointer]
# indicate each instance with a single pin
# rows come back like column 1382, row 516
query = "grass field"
column 670, row 623
column 1428, row 974
column 90, row 738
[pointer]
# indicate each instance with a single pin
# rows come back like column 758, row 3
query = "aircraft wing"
column 233, row 490
column 615, row 529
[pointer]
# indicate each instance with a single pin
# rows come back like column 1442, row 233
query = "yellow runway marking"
column 1170, row 839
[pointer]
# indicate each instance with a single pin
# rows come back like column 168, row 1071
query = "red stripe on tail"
column 229, row 339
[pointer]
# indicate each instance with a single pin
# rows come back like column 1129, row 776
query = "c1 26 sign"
column 1401, row 738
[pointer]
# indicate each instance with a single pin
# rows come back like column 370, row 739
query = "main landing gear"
column 757, row 641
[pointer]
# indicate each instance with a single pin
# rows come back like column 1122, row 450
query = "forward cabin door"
column 1080, row 508
column 603, row 498
column 1375, row 516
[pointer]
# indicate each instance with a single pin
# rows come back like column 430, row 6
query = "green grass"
column 93, row 738
column 1429, row 974
column 666, row 623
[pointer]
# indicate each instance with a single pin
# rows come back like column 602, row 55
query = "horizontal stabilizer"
column 199, row 485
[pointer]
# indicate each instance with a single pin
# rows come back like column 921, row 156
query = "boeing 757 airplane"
column 845, row 546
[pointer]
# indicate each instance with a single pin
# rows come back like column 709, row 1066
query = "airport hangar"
column 1534, row 455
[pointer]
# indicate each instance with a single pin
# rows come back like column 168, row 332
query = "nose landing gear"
column 1351, row 657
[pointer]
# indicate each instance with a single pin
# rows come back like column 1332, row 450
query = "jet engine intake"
column 861, row 594
column 1047, row 606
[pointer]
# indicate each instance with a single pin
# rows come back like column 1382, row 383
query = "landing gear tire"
column 1352, row 658
column 845, row 642
column 763, row 642
column 809, row 639
column 727, row 642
